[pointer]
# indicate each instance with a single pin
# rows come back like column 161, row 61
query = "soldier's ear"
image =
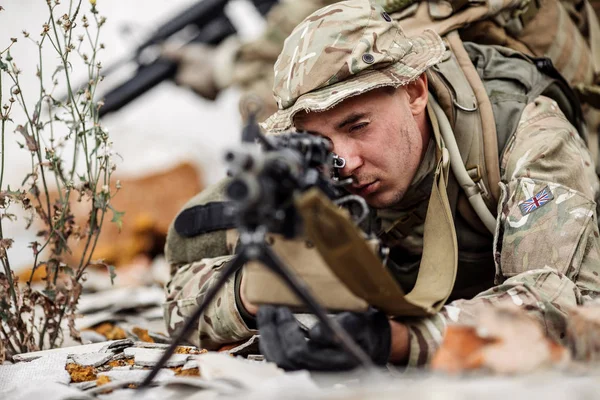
column 418, row 95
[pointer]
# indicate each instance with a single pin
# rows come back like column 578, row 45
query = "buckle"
column 474, row 173
column 527, row 12
column 521, row 16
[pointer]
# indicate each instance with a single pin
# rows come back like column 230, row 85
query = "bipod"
column 253, row 248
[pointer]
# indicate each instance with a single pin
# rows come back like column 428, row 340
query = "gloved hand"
column 283, row 342
column 205, row 69
column 196, row 66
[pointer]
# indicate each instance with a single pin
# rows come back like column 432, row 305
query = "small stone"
column 117, row 346
column 84, row 385
column 245, row 349
column 147, row 345
column 149, row 357
column 91, row 359
column 189, row 365
column 153, row 313
column 159, row 338
column 118, row 356
column 88, row 336
column 66, row 351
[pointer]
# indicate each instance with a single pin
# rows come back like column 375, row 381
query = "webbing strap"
column 594, row 40
column 487, row 150
column 465, row 109
column 205, row 218
column 463, row 104
column 460, row 172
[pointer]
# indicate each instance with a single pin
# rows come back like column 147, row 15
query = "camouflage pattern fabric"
column 195, row 264
column 360, row 48
column 395, row 5
column 222, row 322
column 548, row 260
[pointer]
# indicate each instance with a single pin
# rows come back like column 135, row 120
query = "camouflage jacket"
column 546, row 261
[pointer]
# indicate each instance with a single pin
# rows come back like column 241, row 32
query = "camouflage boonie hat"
column 343, row 50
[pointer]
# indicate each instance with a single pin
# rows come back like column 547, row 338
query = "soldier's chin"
column 380, row 200
column 383, row 199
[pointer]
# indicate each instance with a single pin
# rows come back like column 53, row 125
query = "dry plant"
column 70, row 155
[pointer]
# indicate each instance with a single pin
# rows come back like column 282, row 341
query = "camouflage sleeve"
column 222, row 322
column 546, row 244
column 196, row 263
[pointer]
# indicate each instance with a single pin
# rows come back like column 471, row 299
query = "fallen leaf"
column 102, row 380
column 110, row 331
column 461, row 350
column 179, row 371
column 583, row 332
column 505, row 340
column 142, row 334
column 189, row 350
column 80, row 373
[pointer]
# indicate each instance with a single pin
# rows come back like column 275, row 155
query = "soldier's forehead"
column 359, row 100
column 352, row 106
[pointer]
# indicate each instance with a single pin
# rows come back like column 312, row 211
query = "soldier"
column 249, row 66
column 349, row 73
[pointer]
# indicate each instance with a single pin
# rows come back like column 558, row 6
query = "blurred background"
column 169, row 140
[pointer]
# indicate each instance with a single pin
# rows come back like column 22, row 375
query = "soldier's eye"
column 358, row 127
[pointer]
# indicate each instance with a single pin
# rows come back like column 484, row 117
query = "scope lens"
column 237, row 190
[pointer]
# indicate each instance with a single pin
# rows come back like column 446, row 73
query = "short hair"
column 389, row 90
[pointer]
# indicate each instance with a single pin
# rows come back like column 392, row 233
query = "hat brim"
column 427, row 50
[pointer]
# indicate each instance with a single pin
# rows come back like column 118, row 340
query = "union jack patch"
column 541, row 198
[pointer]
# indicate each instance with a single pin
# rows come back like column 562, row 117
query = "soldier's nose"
column 351, row 164
column 349, row 152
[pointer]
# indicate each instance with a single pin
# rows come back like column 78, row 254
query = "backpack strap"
column 460, row 172
column 463, row 99
column 486, row 153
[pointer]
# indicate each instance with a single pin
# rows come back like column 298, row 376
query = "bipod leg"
column 272, row 261
column 192, row 321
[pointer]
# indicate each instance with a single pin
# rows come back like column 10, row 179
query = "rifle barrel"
column 148, row 76
column 199, row 14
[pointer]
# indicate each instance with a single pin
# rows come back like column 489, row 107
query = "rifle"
column 210, row 25
column 267, row 184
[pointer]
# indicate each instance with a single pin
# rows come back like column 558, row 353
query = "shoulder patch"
column 540, row 199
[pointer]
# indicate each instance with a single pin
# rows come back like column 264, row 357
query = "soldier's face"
column 381, row 134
